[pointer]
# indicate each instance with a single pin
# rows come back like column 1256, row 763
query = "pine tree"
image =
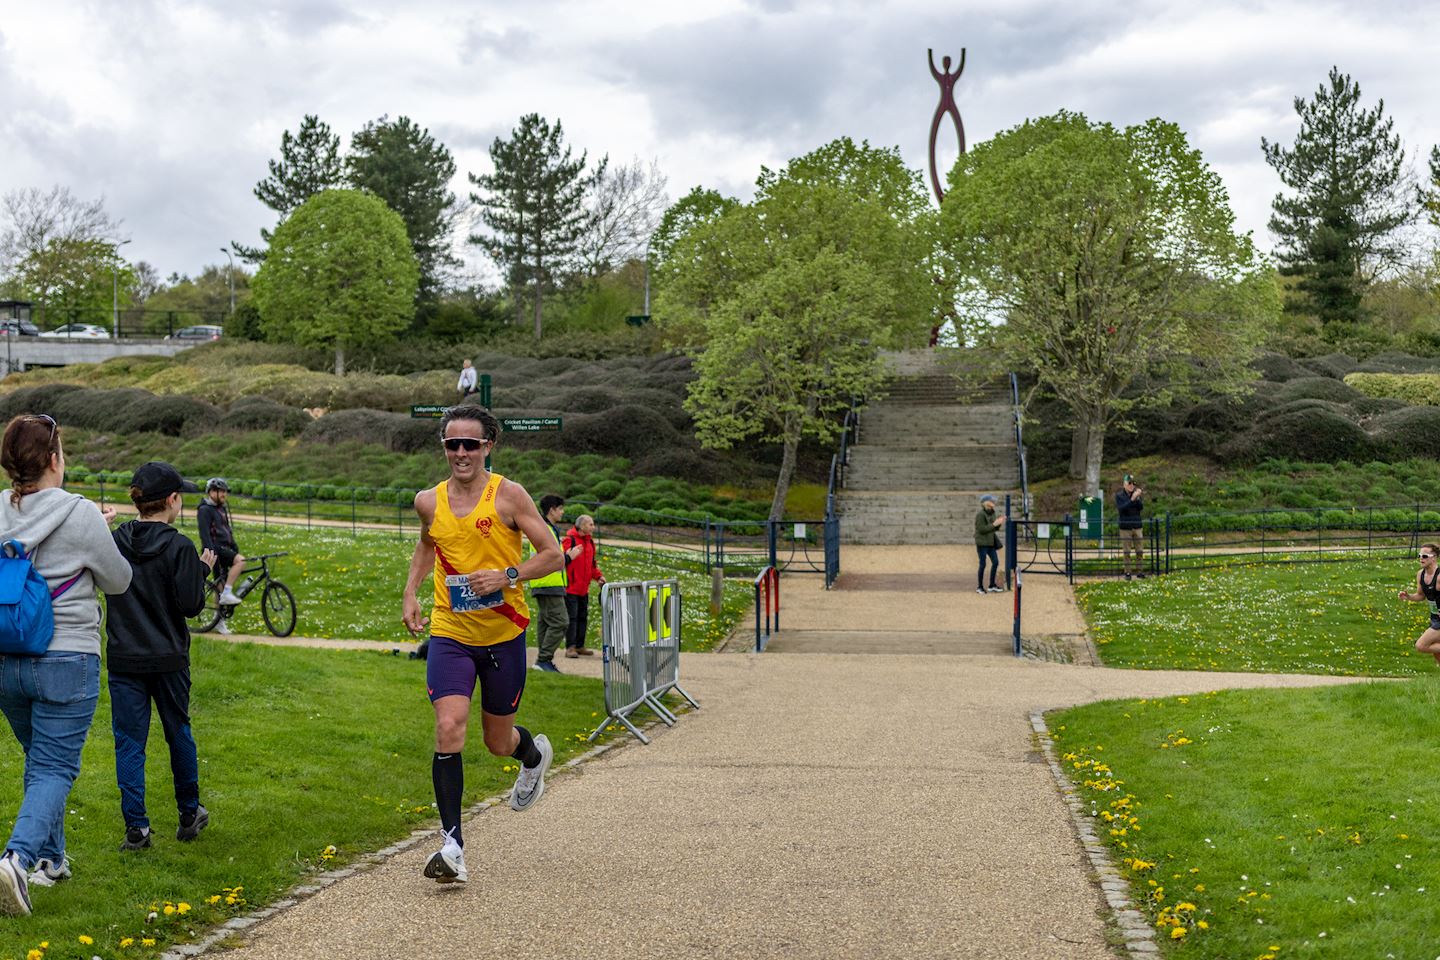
column 402, row 164
column 534, row 206
column 309, row 162
column 1346, row 171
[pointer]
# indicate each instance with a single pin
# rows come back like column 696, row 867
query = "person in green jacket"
column 987, row 543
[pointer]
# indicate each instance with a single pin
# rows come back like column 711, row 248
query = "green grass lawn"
column 300, row 751
column 348, row 587
column 1327, row 618
column 1288, row 823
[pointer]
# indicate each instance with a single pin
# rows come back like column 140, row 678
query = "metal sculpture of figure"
column 946, row 79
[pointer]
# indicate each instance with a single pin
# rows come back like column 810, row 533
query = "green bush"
column 1317, row 388
column 262, row 413
column 1311, row 434
column 1332, row 365
column 1411, row 388
column 1406, row 433
column 1279, row 368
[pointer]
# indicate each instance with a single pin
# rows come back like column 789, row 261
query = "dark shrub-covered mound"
column 1279, row 368
column 1406, row 433
column 1316, row 434
column 1369, row 406
column 1333, row 365
column 1317, row 388
column 262, row 413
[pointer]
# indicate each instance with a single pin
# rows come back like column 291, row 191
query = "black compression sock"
column 526, row 753
column 448, row 772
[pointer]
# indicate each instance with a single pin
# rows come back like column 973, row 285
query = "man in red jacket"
column 580, row 573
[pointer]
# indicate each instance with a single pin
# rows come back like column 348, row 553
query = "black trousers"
column 578, row 606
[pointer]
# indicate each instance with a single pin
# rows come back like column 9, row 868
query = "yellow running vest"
column 478, row 541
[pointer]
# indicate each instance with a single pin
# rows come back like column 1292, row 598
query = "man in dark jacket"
column 213, row 519
column 147, row 652
column 580, row 571
column 549, row 592
column 1129, row 504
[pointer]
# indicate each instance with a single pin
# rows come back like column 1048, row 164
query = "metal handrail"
column 769, row 580
column 1020, row 445
column 841, row 459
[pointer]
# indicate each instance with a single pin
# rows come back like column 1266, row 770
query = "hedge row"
column 1388, row 519
column 1416, row 388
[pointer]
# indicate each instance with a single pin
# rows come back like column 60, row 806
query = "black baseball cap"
column 157, row 480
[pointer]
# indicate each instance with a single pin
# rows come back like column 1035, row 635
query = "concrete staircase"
column 925, row 455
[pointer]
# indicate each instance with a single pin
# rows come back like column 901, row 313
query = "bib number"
column 463, row 599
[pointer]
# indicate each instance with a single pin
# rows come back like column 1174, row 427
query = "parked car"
column 78, row 331
column 202, row 331
column 12, row 327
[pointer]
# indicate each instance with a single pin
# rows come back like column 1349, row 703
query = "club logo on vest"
column 483, row 525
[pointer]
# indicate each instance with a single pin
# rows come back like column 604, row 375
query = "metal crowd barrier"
column 640, row 636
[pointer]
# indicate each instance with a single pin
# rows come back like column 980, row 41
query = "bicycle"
column 277, row 603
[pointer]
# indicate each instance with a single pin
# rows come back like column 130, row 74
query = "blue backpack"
column 27, row 620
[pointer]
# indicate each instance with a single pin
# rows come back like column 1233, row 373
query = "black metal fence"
column 1203, row 540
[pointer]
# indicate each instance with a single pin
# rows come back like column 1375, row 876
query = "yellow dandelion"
column 1202, row 924
column 1178, row 933
column 86, row 940
column 127, row 942
column 147, row 941
column 35, row 955
column 183, row 908
column 169, row 909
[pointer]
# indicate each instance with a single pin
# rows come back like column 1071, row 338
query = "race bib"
column 463, row 599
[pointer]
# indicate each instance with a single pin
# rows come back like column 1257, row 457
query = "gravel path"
column 821, row 804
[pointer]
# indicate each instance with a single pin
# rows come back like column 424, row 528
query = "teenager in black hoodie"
column 148, row 650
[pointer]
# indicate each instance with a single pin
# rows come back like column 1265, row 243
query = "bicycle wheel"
column 277, row 606
column 209, row 615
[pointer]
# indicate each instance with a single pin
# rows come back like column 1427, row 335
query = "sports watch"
column 513, row 576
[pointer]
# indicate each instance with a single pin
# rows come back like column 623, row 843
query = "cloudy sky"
column 170, row 110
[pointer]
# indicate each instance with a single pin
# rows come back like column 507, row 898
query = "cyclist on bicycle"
column 213, row 518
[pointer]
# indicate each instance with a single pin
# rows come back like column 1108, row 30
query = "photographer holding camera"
column 1128, row 504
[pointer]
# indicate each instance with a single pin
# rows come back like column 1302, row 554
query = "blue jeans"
column 49, row 701
column 992, row 555
column 130, row 696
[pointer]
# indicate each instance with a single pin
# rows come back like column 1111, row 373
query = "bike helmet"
column 216, row 483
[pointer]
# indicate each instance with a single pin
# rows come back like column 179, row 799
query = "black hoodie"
column 145, row 625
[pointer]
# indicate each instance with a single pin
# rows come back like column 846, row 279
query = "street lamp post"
column 226, row 251
column 115, row 291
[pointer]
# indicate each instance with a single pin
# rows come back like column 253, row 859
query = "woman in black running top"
column 1427, row 579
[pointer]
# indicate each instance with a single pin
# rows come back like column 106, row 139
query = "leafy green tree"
column 402, row 164
column 534, row 206
column 340, row 272
column 73, row 280
column 309, row 162
column 699, row 206
column 1091, row 255
column 1346, row 174
column 786, row 302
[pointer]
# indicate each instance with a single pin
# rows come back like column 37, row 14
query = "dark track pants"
column 130, row 698
column 578, row 606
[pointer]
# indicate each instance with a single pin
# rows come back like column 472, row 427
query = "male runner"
column 470, row 527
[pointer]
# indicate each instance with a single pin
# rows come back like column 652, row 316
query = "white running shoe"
column 448, row 866
column 530, row 783
column 228, row 598
column 223, row 627
column 47, row 873
column 14, row 889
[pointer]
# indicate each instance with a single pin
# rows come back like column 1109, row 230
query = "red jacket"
column 580, row 572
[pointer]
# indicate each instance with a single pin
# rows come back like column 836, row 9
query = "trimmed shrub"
column 1417, row 388
column 1279, row 368
column 1369, row 406
column 1310, row 434
column 1411, row 432
column 1317, row 388
column 262, row 413
column 1334, row 365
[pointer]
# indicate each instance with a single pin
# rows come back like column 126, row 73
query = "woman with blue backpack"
column 57, row 550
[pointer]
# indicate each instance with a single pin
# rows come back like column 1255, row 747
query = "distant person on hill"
column 1427, row 587
column 1129, row 504
column 466, row 385
column 216, row 533
column 987, row 543
column 549, row 593
column 581, row 571
column 147, row 654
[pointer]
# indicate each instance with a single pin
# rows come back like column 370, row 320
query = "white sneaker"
column 14, row 888
column 223, row 627
column 47, row 873
column 997, row 589
column 448, row 866
column 530, row 783
column 228, row 598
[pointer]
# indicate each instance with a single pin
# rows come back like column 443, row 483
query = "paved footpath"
column 821, row 804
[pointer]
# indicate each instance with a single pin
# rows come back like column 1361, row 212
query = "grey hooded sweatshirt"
column 65, row 535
